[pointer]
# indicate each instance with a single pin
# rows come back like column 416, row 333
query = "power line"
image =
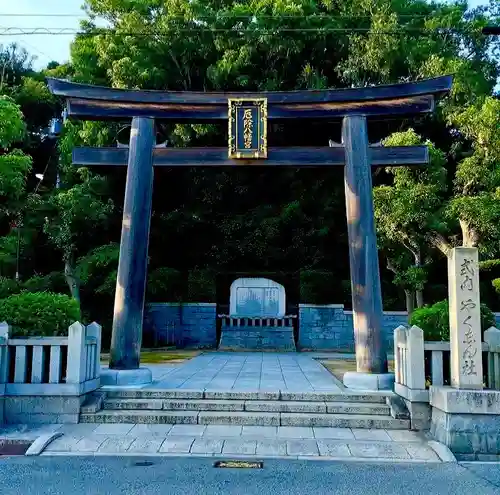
column 16, row 31
column 230, row 16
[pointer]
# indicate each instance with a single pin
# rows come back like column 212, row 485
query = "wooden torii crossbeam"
column 353, row 106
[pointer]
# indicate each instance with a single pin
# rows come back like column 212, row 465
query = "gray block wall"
column 330, row 327
column 186, row 325
column 321, row 327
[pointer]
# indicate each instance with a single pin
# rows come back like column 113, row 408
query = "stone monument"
column 464, row 416
column 256, row 297
column 257, row 319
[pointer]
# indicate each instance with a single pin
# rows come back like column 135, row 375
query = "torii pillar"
column 126, row 338
column 371, row 355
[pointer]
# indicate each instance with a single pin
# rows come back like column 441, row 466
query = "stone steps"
column 245, row 418
column 146, row 394
column 248, row 406
column 238, row 407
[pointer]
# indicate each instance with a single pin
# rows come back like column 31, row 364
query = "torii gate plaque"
column 248, row 146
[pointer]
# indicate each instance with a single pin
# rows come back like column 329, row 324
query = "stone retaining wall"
column 189, row 325
column 321, row 327
column 330, row 327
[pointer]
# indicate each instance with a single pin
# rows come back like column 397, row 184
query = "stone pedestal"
column 279, row 339
column 124, row 378
column 369, row 381
column 467, row 422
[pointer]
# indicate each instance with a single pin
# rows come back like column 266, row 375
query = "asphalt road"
column 197, row 476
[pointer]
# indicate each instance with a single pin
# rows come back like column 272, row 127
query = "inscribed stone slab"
column 465, row 319
column 257, row 297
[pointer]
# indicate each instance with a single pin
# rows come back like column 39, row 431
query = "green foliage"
column 53, row 282
column 435, row 320
column 316, row 287
column 12, row 126
column 39, row 313
column 201, row 286
column 8, row 287
column 36, row 101
column 73, row 212
column 14, row 167
column 496, row 284
column 165, row 284
column 412, row 278
column 97, row 270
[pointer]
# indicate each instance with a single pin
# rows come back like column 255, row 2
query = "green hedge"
column 435, row 320
column 39, row 313
column 53, row 282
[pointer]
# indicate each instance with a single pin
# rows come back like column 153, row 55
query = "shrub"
column 53, row 282
column 435, row 320
column 8, row 287
column 39, row 313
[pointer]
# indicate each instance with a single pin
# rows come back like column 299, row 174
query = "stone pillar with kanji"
column 465, row 319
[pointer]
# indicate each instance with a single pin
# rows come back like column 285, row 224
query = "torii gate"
column 247, row 114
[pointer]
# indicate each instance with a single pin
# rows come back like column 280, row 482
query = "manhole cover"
column 13, row 448
column 239, row 464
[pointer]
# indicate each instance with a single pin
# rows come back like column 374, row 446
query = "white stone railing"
column 51, row 365
column 410, row 350
column 232, row 321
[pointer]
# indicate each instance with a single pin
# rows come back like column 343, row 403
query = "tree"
column 474, row 206
column 405, row 211
column 70, row 214
column 14, row 164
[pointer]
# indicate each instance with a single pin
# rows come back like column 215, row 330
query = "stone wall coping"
column 184, row 304
column 464, row 401
column 412, row 395
column 51, row 389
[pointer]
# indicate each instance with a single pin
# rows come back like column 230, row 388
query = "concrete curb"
column 442, row 451
column 255, row 457
column 38, row 446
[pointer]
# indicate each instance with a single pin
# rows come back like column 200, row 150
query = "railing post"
column 416, row 359
column 94, row 330
column 75, row 372
column 4, row 354
column 492, row 338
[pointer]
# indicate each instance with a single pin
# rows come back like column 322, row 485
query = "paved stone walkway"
column 233, row 441
column 246, row 371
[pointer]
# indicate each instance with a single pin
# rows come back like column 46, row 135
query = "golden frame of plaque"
column 241, row 120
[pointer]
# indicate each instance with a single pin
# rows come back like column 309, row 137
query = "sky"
column 45, row 47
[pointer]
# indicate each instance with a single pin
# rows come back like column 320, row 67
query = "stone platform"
column 258, row 339
column 246, row 371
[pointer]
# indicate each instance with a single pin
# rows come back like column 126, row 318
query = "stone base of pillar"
column 467, row 422
column 369, row 381
column 124, row 378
